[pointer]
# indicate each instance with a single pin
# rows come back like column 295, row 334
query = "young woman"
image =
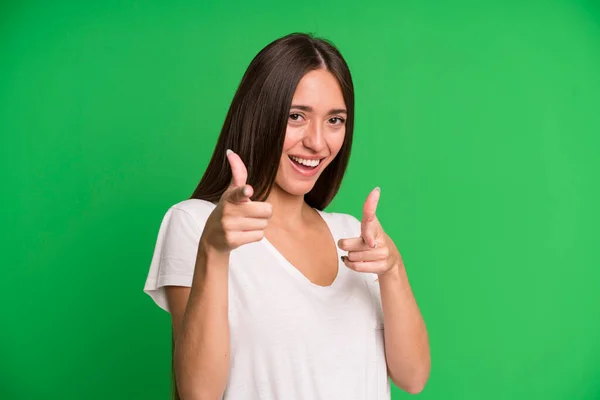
column 271, row 297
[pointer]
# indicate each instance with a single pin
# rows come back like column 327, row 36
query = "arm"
column 405, row 334
column 200, row 315
column 201, row 329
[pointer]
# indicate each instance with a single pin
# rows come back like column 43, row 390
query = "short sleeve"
column 174, row 256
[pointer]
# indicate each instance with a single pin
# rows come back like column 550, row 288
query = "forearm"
column 202, row 346
column 406, row 339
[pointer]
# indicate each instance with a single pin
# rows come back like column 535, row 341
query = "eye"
column 337, row 120
column 295, row 117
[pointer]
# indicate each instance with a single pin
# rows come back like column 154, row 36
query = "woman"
column 271, row 297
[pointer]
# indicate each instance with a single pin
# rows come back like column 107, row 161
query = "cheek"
column 335, row 141
column 292, row 136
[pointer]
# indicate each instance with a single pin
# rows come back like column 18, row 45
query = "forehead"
column 319, row 89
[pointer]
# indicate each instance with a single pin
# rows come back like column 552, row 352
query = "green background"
column 479, row 120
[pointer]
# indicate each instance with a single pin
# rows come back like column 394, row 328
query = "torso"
column 302, row 325
column 298, row 333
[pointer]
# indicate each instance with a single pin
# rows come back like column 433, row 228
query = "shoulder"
column 186, row 217
column 194, row 209
column 346, row 224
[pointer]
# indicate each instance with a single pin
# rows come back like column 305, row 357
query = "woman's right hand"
column 236, row 220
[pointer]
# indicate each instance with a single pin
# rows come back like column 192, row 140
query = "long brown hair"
column 256, row 122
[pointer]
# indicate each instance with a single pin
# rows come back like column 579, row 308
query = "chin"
column 295, row 187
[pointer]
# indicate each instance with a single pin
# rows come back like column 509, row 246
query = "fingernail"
column 246, row 191
column 228, row 152
column 378, row 188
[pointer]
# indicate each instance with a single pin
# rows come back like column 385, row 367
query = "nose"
column 314, row 138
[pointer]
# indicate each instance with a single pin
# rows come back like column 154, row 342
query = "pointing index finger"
column 369, row 230
column 370, row 207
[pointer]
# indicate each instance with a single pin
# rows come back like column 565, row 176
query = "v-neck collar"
column 342, row 271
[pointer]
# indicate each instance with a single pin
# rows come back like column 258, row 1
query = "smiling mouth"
column 302, row 162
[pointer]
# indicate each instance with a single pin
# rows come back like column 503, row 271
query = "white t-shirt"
column 290, row 338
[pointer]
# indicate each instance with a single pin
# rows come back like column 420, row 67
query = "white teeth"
column 308, row 163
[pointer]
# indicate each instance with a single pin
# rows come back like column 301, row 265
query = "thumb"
column 369, row 224
column 239, row 174
column 238, row 190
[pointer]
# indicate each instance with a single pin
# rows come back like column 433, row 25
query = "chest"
column 320, row 264
column 270, row 300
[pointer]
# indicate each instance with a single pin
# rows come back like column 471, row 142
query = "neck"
column 288, row 210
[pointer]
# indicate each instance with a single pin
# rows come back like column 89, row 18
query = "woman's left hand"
column 373, row 251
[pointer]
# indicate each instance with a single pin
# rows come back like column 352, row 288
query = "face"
column 315, row 132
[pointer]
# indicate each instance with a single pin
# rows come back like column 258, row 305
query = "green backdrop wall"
column 479, row 120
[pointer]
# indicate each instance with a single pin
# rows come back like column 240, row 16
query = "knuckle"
column 266, row 210
column 226, row 223
column 229, row 237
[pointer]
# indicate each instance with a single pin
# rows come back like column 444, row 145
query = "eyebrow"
column 310, row 109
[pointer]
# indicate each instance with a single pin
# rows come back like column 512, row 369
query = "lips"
column 306, row 167
column 306, row 161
